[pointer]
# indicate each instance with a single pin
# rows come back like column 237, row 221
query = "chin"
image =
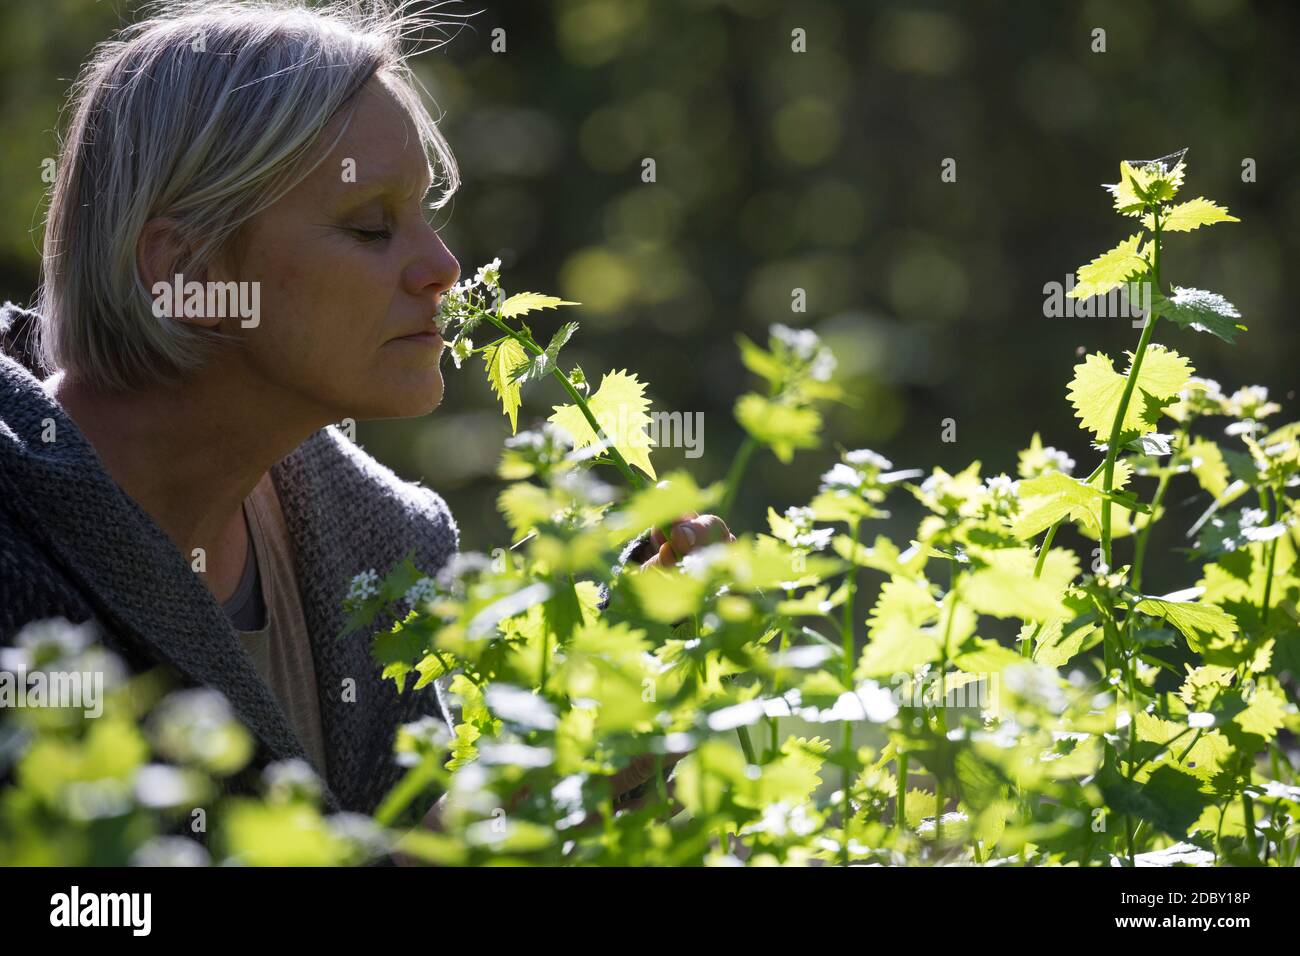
column 403, row 396
column 420, row 397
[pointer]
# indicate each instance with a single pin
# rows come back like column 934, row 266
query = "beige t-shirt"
column 281, row 650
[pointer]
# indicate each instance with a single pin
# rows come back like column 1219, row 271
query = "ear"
column 160, row 254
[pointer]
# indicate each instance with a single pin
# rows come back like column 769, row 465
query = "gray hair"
column 205, row 113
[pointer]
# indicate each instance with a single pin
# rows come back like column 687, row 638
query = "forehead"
column 383, row 146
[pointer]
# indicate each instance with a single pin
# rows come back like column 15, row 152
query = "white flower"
column 865, row 457
column 843, row 477
column 823, row 366
column 806, row 536
column 461, row 349
column 364, row 586
column 420, row 593
column 802, row 342
column 489, row 276
column 1059, row 459
column 1001, row 486
column 1209, row 388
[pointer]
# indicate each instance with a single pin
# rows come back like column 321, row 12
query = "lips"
column 426, row 335
column 429, row 331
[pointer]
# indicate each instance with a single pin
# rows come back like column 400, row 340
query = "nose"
column 432, row 271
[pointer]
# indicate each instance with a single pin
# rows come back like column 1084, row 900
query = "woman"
column 176, row 476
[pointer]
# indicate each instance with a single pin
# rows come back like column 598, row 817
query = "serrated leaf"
column 521, row 303
column 1169, row 799
column 1208, row 466
column 760, row 361
column 525, row 505
column 1006, row 587
column 783, row 428
column 539, row 366
column 1051, row 497
column 502, row 358
column 1055, row 646
column 1197, row 622
column 1110, row 270
column 1096, row 390
column 1265, row 714
column 619, row 407
column 1200, row 311
column 1190, row 215
column 1143, row 181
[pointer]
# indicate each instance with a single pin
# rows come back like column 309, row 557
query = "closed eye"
column 371, row 235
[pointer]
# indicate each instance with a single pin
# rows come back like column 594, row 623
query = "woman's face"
column 351, row 276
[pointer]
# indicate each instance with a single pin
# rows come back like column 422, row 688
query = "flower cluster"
column 857, row 473
column 804, row 347
column 363, row 587
column 420, row 593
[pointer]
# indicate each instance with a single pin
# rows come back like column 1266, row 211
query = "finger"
column 657, row 536
column 698, row 532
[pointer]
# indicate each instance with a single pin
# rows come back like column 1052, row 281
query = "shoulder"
column 341, row 489
column 33, row 587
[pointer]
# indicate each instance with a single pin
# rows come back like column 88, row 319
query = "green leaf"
column 1142, row 183
column 539, row 366
column 619, row 407
column 1196, row 621
column 1055, row 645
column 401, row 647
column 1006, row 587
column 1049, row 498
column 1190, row 215
column 431, row 668
column 1110, row 270
column 1208, row 466
column 667, row 596
column 526, row 505
column 783, row 428
column 502, row 357
column 1265, row 713
column 676, row 495
column 1199, row 311
column 521, row 303
column 1096, row 390
column 1170, row 799
column 760, row 361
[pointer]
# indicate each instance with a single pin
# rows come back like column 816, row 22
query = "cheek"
column 327, row 310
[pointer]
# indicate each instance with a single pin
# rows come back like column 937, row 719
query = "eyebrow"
column 358, row 194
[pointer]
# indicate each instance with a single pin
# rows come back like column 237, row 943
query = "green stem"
column 850, row 587
column 736, row 472
column 526, row 341
column 1272, row 556
column 850, row 592
column 1140, row 549
column 900, row 816
column 1112, row 447
column 746, row 744
column 413, row 782
column 1248, row 818
column 1027, row 646
column 940, row 716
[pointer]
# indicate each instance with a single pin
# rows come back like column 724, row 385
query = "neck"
column 190, row 454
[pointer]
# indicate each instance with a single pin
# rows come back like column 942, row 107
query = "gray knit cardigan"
column 74, row 545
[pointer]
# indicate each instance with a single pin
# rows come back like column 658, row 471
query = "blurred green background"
column 819, row 170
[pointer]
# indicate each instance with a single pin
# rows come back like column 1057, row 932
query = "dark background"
column 818, row 170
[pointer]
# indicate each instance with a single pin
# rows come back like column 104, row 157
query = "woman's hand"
column 689, row 533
